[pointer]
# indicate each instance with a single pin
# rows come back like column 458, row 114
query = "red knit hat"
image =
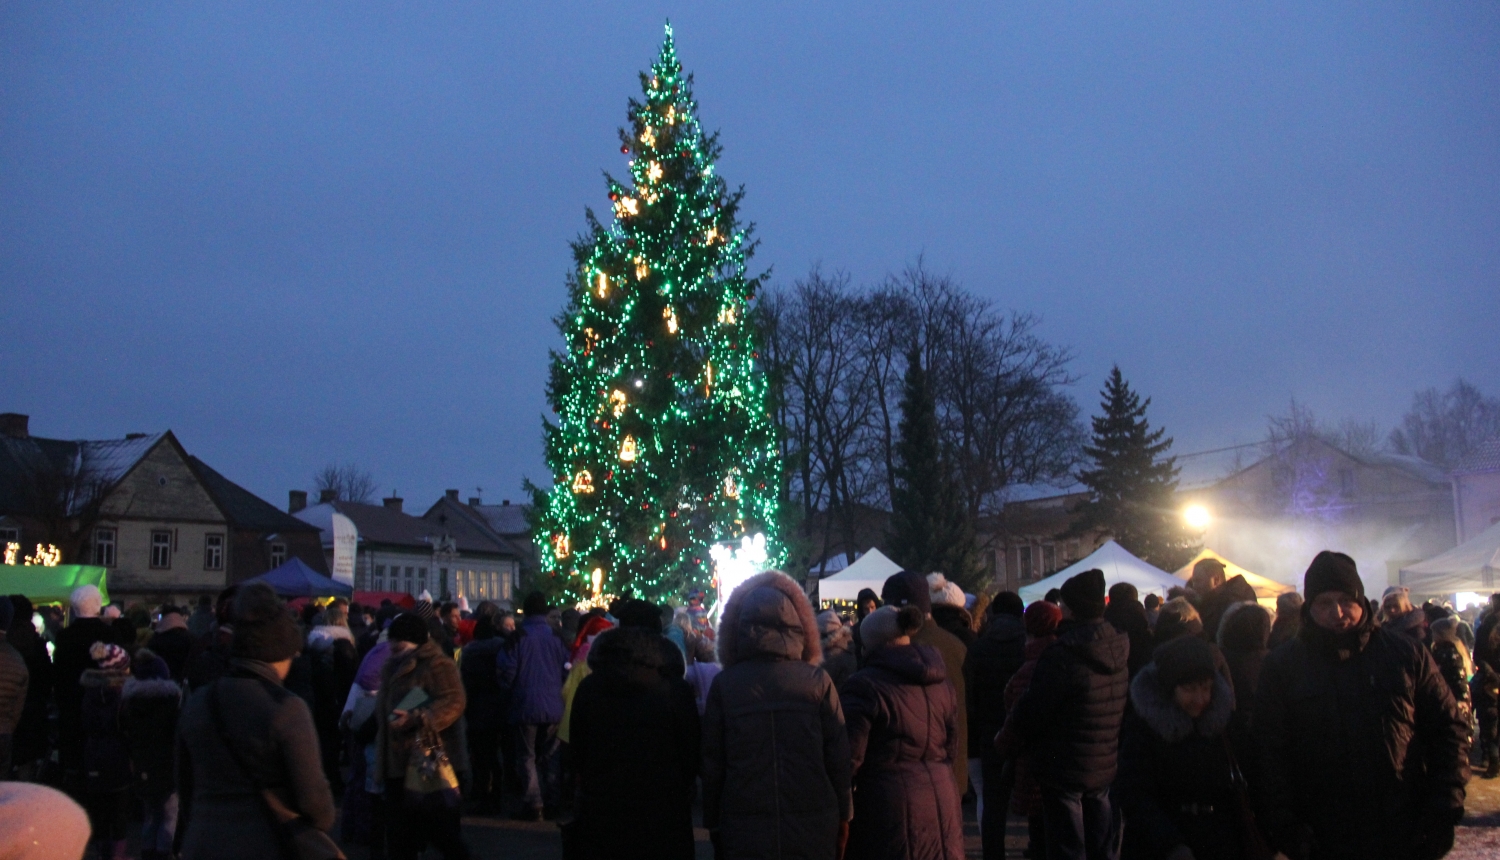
column 1042, row 618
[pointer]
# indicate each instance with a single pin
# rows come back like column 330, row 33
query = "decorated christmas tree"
column 664, row 447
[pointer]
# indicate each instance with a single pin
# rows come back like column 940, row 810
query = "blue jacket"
column 532, row 672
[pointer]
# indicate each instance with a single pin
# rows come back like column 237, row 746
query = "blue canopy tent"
column 296, row 579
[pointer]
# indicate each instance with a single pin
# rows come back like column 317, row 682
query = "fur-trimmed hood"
column 164, row 688
column 769, row 616
column 1170, row 722
column 322, row 637
column 98, row 678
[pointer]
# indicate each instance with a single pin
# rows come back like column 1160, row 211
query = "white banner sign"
column 345, row 541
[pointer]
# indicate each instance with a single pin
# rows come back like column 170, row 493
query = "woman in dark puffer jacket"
column 902, row 717
column 149, row 707
column 1175, row 784
column 775, row 754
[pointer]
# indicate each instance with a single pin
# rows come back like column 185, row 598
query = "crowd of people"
column 1202, row 725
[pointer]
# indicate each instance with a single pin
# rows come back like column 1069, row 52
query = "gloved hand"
column 843, row 838
column 1181, row 852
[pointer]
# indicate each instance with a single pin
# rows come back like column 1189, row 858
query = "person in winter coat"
column 1176, row 786
column 484, row 712
column 776, row 761
column 15, row 677
column 635, row 738
column 149, row 706
column 1453, row 663
column 990, row 664
column 1126, row 614
column 1214, row 604
column 1363, row 753
column 906, row 588
column 418, row 664
column 1180, row 618
column 1070, row 717
column 243, row 740
column 589, row 628
column 1398, row 615
column 29, row 743
column 1041, row 620
column 332, row 661
column 1485, row 688
column 1288, row 621
column 106, row 753
column 865, row 602
column 837, row 639
column 172, row 641
column 948, row 608
column 903, row 733
column 531, row 674
column 70, row 660
column 1242, row 640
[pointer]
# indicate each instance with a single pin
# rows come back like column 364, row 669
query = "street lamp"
column 1196, row 517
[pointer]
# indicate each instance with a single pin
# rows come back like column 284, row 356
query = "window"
column 10, row 535
column 1346, row 482
column 1049, row 558
column 443, row 580
column 422, row 578
column 104, row 547
column 213, row 552
column 1023, row 561
column 278, row 555
column 161, row 550
column 411, row 574
column 379, row 577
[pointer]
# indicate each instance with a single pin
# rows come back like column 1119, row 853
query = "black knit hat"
column 905, row 588
column 1084, row 594
column 1332, row 571
column 535, row 605
column 1183, row 661
column 264, row 628
column 408, row 627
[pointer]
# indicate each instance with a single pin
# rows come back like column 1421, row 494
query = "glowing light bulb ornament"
column 628, row 450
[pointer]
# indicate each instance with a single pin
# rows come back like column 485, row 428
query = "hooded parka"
column 776, row 764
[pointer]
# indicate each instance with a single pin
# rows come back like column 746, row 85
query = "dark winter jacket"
column 989, row 666
column 221, row 817
column 332, row 661
column 14, row 680
column 1284, row 629
column 1213, row 606
column 838, row 655
column 148, row 716
column 955, row 620
column 635, row 740
column 903, row 736
column 29, row 741
column 1362, row 748
column 70, row 660
column 1129, row 617
column 428, row 667
column 106, row 753
column 174, row 645
column 485, row 711
column 1450, row 665
column 1070, row 715
column 531, row 674
column 775, row 754
column 954, row 654
column 1175, row 785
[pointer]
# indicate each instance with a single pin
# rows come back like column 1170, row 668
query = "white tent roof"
column 1118, row 566
column 868, row 571
column 1470, row 566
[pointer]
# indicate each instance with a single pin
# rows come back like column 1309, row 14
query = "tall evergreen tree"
column 664, row 443
column 928, row 529
column 1133, row 481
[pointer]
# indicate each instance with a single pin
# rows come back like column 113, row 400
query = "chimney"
column 15, row 425
column 326, row 496
column 506, row 502
column 474, row 501
column 296, row 500
column 452, row 494
column 393, row 504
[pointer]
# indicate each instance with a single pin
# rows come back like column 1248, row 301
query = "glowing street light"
column 1196, row 517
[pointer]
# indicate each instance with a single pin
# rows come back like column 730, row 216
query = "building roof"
column 507, row 520
column 1484, row 458
column 76, row 468
column 381, row 525
column 243, row 508
column 468, row 526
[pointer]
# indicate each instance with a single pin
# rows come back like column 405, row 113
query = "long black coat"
column 1360, row 739
column 902, row 717
column 1070, row 715
column 1175, row 785
column 70, row 660
column 635, row 741
column 990, row 664
column 148, row 716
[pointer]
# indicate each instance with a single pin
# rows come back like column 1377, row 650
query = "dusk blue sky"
column 302, row 233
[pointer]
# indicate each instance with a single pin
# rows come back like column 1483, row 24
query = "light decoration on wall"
column 12, row 550
column 674, row 248
column 46, row 555
column 560, row 546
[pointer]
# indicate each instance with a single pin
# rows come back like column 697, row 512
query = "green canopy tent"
column 50, row 584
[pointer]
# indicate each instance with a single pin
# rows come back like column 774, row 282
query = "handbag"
column 431, row 780
column 1256, row 847
column 297, row 837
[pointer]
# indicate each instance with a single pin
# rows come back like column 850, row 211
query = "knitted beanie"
column 905, row 588
column 408, row 627
column 148, row 667
column 1042, row 618
column 1183, row 661
column 1332, row 571
column 111, row 658
column 1084, row 594
column 886, row 623
column 264, row 628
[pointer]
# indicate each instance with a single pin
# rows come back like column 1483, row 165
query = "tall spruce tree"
column 1133, row 481
column 928, row 529
column 664, row 443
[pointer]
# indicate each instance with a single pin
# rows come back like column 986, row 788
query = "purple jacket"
column 532, row 672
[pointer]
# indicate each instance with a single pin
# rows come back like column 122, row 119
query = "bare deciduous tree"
column 1443, row 426
column 349, row 482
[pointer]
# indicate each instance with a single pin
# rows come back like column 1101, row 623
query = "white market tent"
column 1266, row 590
column 1473, row 565
column 868, row 571
column 1118, row 566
